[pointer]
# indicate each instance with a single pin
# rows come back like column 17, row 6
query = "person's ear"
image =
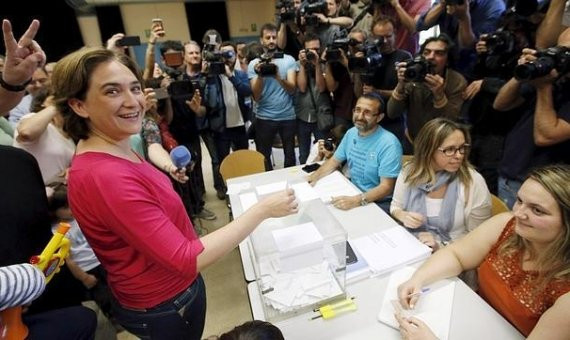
column 379, row 117
column 78, row 107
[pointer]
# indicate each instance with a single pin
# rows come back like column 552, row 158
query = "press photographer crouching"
column 427, row 87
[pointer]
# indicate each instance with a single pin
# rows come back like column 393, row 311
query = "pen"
column 422, row 291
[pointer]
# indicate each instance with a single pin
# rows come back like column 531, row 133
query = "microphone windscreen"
column 180, row 156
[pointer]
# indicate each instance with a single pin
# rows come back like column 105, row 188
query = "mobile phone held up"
column 158, row 22
column 132, row 40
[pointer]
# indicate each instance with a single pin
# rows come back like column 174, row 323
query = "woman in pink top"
column 128, row 210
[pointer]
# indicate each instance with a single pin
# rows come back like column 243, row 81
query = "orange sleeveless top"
column 511, row 290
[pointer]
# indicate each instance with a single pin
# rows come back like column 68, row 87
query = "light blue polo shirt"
column 371, row 157
column 275, row 102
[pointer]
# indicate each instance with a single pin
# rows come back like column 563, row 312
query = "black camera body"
column 267, row 68
column 557, row 57
column 372, row 58
column 183, row 89
column 311, row 55
column 311, row 7
column 417, row 69
column 289, row 14
column 500, row 42
column 329, row 144
column 454, row 2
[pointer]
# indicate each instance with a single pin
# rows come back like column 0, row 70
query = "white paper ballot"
column 333, row 185
column 236, row 188
column 271, row 187
column 433, row 307
column 298, row 236
column 247, row 200
column 304, row 192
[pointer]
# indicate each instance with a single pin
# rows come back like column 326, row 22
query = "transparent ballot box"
column 299, row 261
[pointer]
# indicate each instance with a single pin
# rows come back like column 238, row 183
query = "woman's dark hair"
column 254, row 330
column 70, row 80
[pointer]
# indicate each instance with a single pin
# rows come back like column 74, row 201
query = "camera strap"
column 361, row 15
column 311, row 93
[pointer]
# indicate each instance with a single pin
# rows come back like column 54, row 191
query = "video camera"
column 329, row 144
column 289, row 14
column 341, row 41
column 417, row 69
column 217, row 61
column 454, row 2
column 557, row 57
column 372, row 58
column 267, row 68
column 500, row 42
column 311, row 7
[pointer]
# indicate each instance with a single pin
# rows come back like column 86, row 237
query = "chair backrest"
column 497, row 205
column 242, row 163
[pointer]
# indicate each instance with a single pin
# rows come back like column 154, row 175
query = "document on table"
column 434, row 307
column 247, row 200
column 333, row 185
column 270, row 188
column 236, row 188
column 390, row 249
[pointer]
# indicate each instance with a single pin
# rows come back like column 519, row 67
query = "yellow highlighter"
column 331, row 310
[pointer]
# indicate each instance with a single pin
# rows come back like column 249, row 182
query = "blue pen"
column 422, row 291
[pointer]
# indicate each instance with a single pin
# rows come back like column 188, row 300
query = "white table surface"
column 472, row 317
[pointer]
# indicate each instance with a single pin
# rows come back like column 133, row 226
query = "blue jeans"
column 181, row 317
column 304, row 131
column 508, row 189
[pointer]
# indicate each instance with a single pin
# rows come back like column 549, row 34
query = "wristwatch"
column 363, row 200
column 14, row 88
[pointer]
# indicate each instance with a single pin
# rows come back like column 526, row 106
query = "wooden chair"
column 241, row 163
column 497, row 205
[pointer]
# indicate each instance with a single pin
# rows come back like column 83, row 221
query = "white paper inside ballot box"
column 299, row 246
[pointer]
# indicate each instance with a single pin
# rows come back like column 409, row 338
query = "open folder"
column 433, row 307
column 390, row 249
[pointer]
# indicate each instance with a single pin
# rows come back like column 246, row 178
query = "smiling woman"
column 523, row 259
column 128, row 210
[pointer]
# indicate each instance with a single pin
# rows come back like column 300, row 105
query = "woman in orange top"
column 523, row 259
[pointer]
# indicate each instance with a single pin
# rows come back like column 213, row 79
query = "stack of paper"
column 390, row 249
column 433, row 307
column 334, row 185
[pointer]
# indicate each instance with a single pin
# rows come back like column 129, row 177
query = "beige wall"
column 243, row 13
column 137, row 19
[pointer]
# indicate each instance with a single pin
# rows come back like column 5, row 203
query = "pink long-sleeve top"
column 137, row 226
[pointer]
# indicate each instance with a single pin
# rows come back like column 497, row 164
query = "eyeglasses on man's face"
column 358, row 110
column 452, row 150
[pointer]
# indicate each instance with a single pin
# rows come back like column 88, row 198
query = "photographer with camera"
column 339, row 81
column 464, row 21
column 321, row 18
column 427, row 88
column 290, row 36
column 498, row 53
column 404, row 13
column 312, row 101
column 539, row 90
column 185, row 84
column 226, row 108
column 382, row 78
column 273, row 81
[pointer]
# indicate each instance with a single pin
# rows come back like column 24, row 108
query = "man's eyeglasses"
column 357, row 110
column 452, row 150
